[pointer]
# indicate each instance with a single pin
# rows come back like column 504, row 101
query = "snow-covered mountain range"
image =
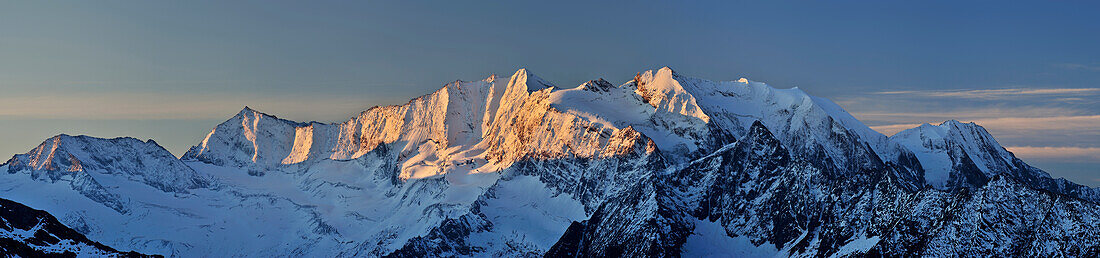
column 663, row 164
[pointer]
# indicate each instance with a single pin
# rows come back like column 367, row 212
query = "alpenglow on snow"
column 661, row 165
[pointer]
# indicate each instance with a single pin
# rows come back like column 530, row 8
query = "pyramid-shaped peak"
column 530, row 80
column 759, row 131
column 247, row 111
column 760, row 141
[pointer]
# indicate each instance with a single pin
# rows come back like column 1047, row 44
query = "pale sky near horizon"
column 171, row 70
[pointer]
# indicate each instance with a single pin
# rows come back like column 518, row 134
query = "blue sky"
column 171, row 70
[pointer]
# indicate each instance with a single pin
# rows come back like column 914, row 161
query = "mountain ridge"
column 690, row 137
column 520, row 167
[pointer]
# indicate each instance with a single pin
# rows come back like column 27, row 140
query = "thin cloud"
column 1062, row 123
column 889, row 123
column 893, row 129
column 1014, row 125
column 1077, row 154
column 971, row 113
column 1051, row 125
column 995, row 93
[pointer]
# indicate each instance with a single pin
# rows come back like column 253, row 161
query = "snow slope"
column 83, row 163
column 26, row 232
column 964, row 155
column 689, row 117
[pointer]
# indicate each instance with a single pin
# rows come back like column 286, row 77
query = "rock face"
column 662, row 165
column 755, row 191
column 469, row 127
column 27, row 232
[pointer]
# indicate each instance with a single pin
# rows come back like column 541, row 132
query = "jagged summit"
column 597, row 85
column 481, row 122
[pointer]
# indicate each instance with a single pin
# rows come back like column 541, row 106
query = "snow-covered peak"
column 663, row 91
column 924, row 131
column 247, row 111
column 969, row 135
column 64, row 156
column 971, row 127
column 248, row 137
column 688, row 117
column 528, row 80
column 809, row 126
column 948, row 151
column 943, row 129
